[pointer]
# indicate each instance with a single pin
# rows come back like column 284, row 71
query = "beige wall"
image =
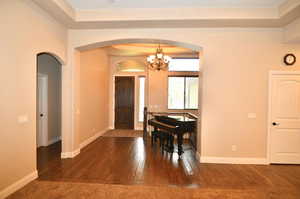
column 292, row 31
column 25, row 31
column 94, row 77
column 236, row 63
column 49, row 66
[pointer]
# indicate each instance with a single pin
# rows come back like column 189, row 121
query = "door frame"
column 114, row 98
column 269, row 120
column 44, row 133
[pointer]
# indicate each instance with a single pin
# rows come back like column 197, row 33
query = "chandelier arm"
column 159, row 61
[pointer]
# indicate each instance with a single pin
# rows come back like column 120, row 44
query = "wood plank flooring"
column 48, row 155
column 130, row 161
column 123, row 133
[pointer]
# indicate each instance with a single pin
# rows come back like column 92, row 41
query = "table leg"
column 153, row 136
column 180, row 142
column 171, row 144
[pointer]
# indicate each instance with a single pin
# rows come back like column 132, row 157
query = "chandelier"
column 159, row 61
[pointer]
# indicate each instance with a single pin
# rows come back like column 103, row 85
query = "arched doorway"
column 85, row 97
column 81, row 134
column 93, row 45
column 136, row 40
column 48, row 109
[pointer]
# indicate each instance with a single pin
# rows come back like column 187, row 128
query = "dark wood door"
column 124, row 102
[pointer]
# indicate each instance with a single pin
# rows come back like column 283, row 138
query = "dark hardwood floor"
column 125, row 160
column 46, row 156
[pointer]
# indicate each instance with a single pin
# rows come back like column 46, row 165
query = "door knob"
column 41, row 115
column 275, row 124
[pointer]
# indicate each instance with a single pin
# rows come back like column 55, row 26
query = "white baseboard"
column 93, row 138
column 53, row 140
column 76, row 152
column 71, row 154
column 18, row 185
column 231, row 160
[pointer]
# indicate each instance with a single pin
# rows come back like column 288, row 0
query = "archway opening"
column 116, row 49
column 93, row 71
column 48, row 109
column 139, row 40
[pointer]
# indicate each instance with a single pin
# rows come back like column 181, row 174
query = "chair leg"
column 160, row 141
column 171, row 143
column 162, row 145
column 152, row 138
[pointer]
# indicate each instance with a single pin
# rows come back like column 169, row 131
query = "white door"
column 42, row 128
column 285, row 118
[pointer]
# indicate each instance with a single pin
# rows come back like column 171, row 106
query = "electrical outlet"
column 233, row 148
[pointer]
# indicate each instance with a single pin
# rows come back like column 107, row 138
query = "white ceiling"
column 98, row 4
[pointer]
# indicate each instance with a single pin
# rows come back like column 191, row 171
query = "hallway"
column 47, row 156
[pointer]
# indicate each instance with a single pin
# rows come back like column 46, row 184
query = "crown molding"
column 161, row 17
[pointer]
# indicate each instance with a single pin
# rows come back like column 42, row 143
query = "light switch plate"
column 23, row 119
column 251, row 115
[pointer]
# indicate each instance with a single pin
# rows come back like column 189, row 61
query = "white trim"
column 43, row 141
column 18, row 185
column 76, row 152
column 269, row 115
column 232, row 160
column 93, row 138
column 269, row 120
column 53, row 140
column 110, row 128
column 282, row 72
column 65, row 155
column 71, row 154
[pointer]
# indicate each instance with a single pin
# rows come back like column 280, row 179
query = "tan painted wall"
column 25, row 31
column 236, row 63
column 292, row 31
column 94, row 77
column 76, row 101
column 49, row 66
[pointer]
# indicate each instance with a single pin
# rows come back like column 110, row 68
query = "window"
column 176, row 93
column 191, row 93
column 183, row 93
column 141, row 98
column 184, row 64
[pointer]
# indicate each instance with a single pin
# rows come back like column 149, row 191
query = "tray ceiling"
column 100, row 4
